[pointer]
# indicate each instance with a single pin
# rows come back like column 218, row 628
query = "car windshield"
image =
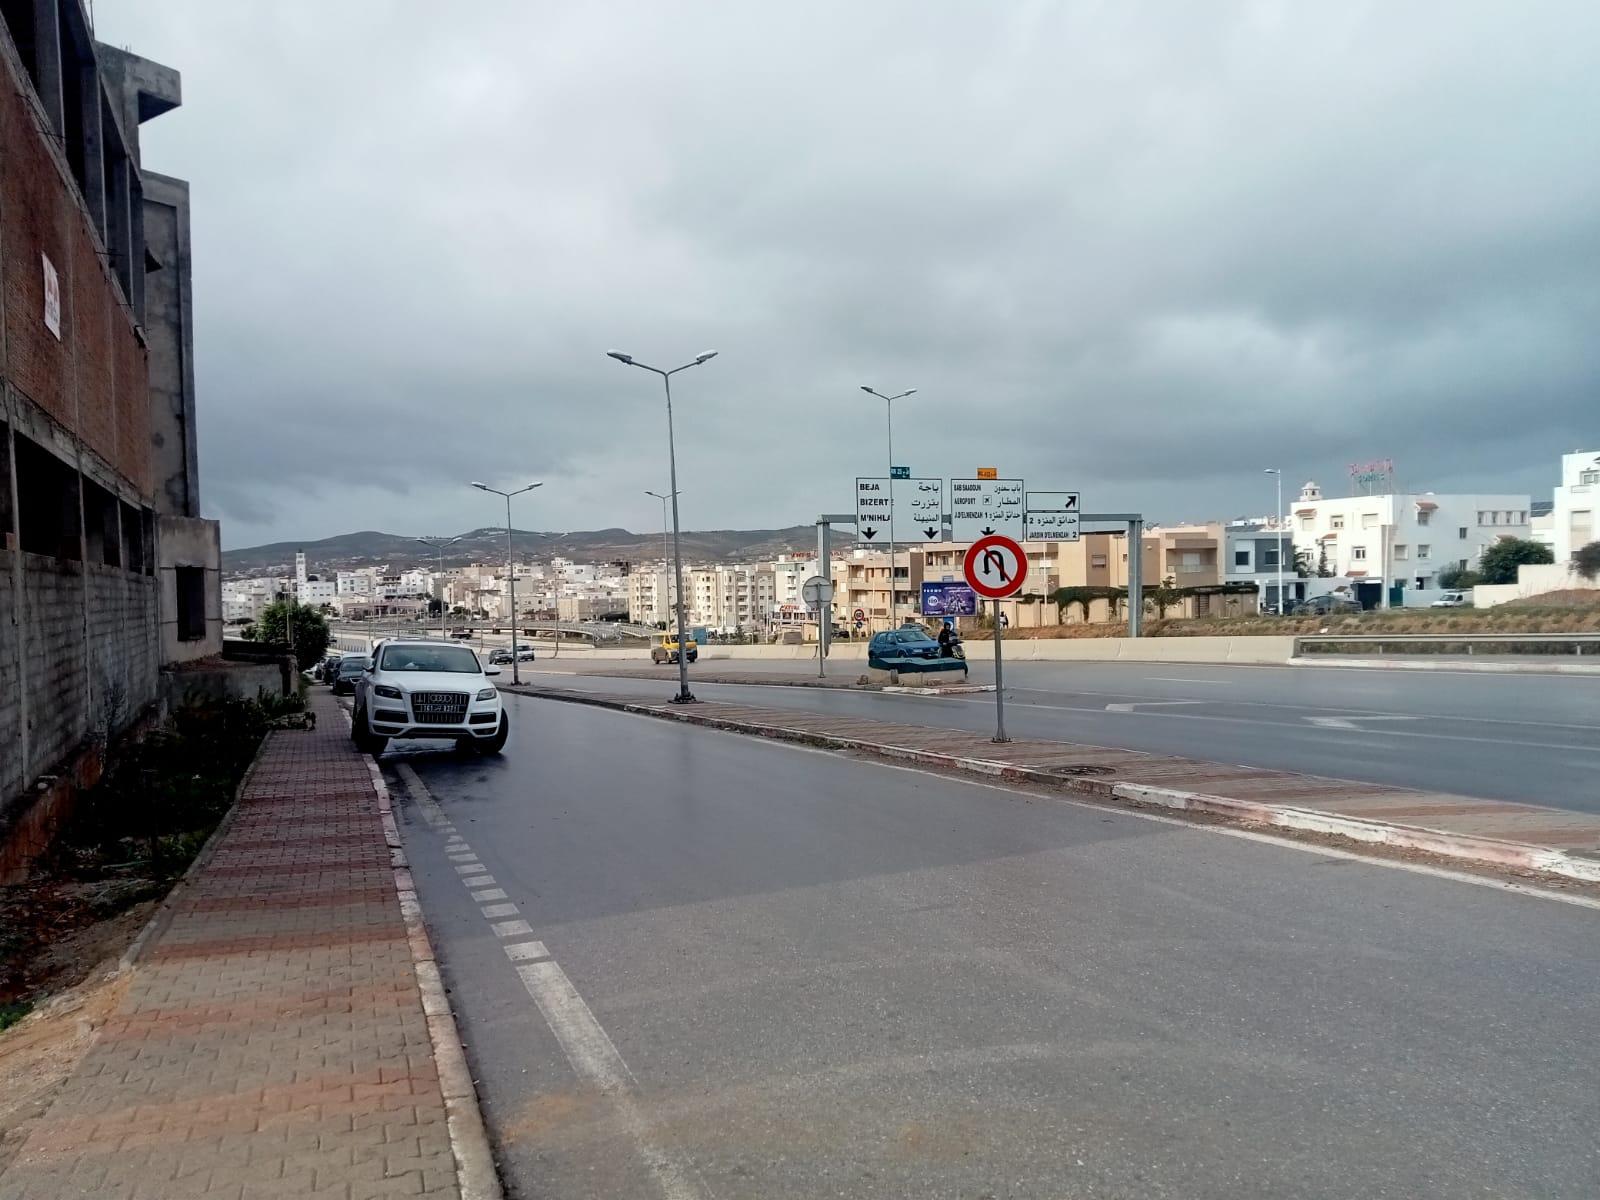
column 352, row 666
column 456, row 659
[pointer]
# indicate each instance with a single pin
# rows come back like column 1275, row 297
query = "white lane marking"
column 488, row 894
column 586, row 1044
column 1168, row 679
column 1267, row 839
column 594, row 1057
column 468, row 857
column 471, row 868
column 1350, row 722
column 1138, row 704
column 473, row 881
column 526, row 951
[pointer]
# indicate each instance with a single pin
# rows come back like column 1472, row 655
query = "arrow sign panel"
column 984, row 507
column 925, row 501
column 1052, row 517
column 916, row 510
column 873, row 510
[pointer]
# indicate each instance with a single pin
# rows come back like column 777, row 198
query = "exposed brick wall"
column 94, row 317
column 34, row 203
column 95, row 379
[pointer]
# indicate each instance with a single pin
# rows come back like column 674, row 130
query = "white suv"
column 428, row 689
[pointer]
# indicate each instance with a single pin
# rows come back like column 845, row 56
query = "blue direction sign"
column 899, row 472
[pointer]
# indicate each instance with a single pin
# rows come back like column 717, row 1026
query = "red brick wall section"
column 106, row 398
column 35, row 223
column 93, row 311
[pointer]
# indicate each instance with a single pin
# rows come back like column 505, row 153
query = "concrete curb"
column 476, row 1177
column 1422, row 664
column 1487, row 851
column 954, row 689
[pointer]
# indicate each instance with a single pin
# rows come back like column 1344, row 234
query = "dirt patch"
column 1566, row 598
column 42, row 1050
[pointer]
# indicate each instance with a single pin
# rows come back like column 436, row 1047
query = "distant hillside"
column 371, row 548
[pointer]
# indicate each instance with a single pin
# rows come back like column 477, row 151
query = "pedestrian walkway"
column 1489, row 831
column 272, row 1042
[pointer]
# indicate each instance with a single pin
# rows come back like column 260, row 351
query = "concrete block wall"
column 53, row 649
column 121, row 645
column 11, row 765
column 70, row 677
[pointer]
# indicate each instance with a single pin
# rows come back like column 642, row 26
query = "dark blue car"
column 909, row 650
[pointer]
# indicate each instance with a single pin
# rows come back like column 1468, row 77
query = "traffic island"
column 1554, row 842
column 273, row 1036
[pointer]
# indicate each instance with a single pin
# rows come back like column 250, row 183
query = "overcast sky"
column 1139, row 249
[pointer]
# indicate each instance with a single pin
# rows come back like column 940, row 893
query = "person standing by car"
column 947, row 638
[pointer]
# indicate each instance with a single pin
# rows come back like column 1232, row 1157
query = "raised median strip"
column 279, row 1035
column 1490, row 832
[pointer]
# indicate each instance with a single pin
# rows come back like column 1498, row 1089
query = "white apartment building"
column 316, row 592
column 649, row 596
column 355, row 583
column 243, row 599
column 1572, row 523
column 416, row 581
column 1402, row 538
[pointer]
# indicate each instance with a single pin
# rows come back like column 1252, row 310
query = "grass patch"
column 10, row 1014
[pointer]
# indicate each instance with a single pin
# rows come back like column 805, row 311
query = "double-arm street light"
column 1277, row 474
column 888, row 407
column 666, row 531
column 511, row 566
column 684, row 696
column 439, row 544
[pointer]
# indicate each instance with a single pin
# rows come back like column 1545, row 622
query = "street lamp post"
column 888, row 408
column 439, row 544
column 1277, row 474
column 666, row 552
column 684, row 696
column 511, row 567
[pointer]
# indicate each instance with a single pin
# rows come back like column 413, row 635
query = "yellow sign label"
column 988, row 472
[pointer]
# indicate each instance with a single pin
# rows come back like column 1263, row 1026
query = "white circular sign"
column 816, row 591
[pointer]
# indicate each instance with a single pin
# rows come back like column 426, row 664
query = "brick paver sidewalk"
column 272, row 1042
column 1542, row 838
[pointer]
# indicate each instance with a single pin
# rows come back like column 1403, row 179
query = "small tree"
column 1324, row 571
column 1456, row 579
column 1164, row 595
column 311, row 635
column 1500, row 561
column 1586, row 561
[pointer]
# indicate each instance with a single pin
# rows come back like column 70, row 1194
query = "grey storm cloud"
column 1140, row 249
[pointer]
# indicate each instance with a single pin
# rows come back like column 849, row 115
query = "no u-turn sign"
column 995, row 567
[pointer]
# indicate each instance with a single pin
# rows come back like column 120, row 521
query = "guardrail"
column 1449, row 643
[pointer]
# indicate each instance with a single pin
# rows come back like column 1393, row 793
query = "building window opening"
column 191, row 584
column 47, row 491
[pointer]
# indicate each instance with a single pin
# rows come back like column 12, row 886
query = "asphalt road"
column 1534, row 738
column 753, row 970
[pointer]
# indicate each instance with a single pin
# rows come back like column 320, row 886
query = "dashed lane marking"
column 583, row 1039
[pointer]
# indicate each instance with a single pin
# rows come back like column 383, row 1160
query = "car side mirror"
column 491, row 670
